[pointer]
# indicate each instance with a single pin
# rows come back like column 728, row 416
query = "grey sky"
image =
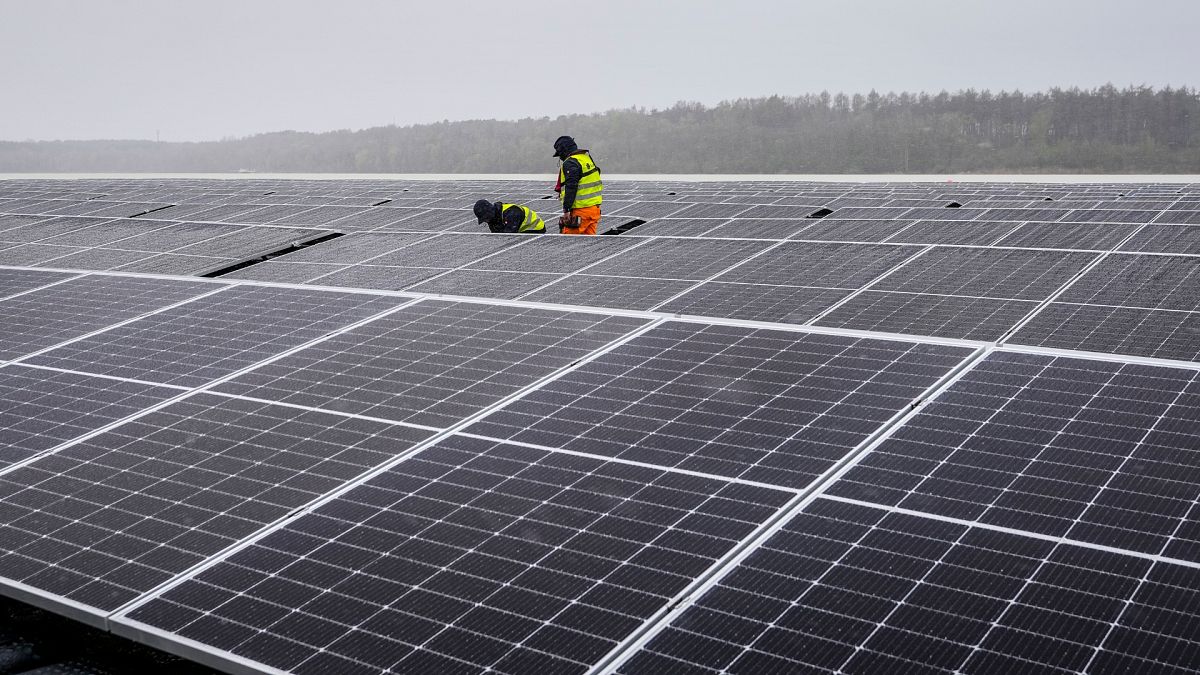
column 202, row 70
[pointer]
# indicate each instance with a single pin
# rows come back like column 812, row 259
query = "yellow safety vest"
column 590, row 186
column 531, row 223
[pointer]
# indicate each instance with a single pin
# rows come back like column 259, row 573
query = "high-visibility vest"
column 590, row 185
column 532, row 221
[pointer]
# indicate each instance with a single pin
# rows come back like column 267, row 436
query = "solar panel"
column 1149, row 281
column 848, row 588
column 471, row 555
column 554, row 254
column 970, row 233
column 609, row 291
column 74, row 308
column 1095, row 236
column 839, row 229
column 20, row 281
column 284, row 272
column 433, row 363
column 214, row 336
column 893, row 504
column 1092, row 451
column 982, row 272
column 114, row 516
column 96, row 259
column 769, row 406
column 41, row 409
column 678, row 258
column 1159, row 239
column 1164, row 334
column 755, row 302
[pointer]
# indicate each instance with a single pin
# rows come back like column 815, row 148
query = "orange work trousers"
column 589, row 217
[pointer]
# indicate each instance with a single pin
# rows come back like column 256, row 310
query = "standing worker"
column 502, row 217
column 579, row 187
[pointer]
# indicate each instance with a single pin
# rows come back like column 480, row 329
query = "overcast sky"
column 208, row 69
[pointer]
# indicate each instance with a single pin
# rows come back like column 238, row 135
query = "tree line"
column 1102, row 130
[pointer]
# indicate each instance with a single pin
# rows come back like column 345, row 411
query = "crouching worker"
column 502, row 217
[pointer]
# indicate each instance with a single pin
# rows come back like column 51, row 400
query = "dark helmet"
column 564, row 146
column 484, row 210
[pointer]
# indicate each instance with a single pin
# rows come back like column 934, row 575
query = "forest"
column 1104, row 130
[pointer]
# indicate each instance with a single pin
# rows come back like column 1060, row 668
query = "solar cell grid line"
column 699, row 283
column 209, row 385
column 852, row 588
column 685, row 259
column 1133, row 280
column 1041, row 443
column 116, row 515
column 519, row 241
column 976, row 232
column 211, row 336
column 80, row 307
column 616, row 542
column 777, row 407
column 436, row 362
column 851, row 230
column 881, row 272
column 1159, row 334
column 1014, row 274
column 15, row 282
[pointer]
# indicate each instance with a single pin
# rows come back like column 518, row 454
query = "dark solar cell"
column 981, row 272
column 819, row 264
column 471, row 555
column 284, row 272
column 1180, row 217
column 669, row 227
column 20, row 281
column 605, row 291
column 175, row 236
column 97, row 259
column 267, row 214
column 73, row 308
column 1049, row 215
column 648, row 210
column 1091, row 451
column 449, row 250
column 485, row 283
column 103, row 232
column 354, row 248
column 250, row 242
column 377, row 277
column 759, row 228
column 1110, row 216
column 838, row 229
column 322, row 216
column 755, row 302
column 679, row 258
column 433, row 363
column 46, row 229
column 1166, row 334
column 1095, row 236
column 967, row 318
column 216, row 335
column 927, row 213
column 554, row 254
column 170, row 263
column 795, row 212
column 108, row 519
column 769, row 406
column 846, row 588
column 953, row 232
column 32, row 254
column 712, row 211
column 1150, row 281
column 1159, row 239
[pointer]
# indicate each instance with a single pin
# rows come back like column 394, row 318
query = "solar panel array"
column 763, row 426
